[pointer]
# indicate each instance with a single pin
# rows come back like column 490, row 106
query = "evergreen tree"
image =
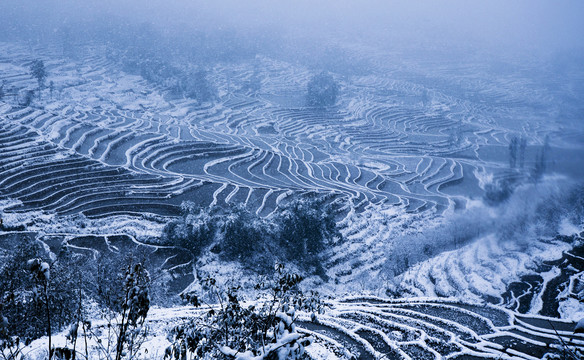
column 38, row 71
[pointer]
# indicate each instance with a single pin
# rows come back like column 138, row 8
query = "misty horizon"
column 518, row 26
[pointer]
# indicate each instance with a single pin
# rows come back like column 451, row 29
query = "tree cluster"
column 297, row 232
column 322, row 90
column 179, row 82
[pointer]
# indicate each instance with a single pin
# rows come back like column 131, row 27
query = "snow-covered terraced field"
column 377, row 146
column 410, row 142
column 424, row 328
column 404, row 144
column 544, row 278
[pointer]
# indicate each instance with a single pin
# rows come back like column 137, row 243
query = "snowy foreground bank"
column 374, row 328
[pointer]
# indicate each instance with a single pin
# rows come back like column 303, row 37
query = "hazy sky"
column 520, row 23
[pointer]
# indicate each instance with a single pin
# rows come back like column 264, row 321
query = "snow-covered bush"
column 230, row 329
column 194, row 230
column 247, row 238
column 297, row 232
column 25, row 97
column 37, row 295
column 134, row 309
column 305, row 227
column 42, row 293
column 498, row 192
column 121, row 288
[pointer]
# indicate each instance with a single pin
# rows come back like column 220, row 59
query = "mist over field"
column 523, row 25
column 291, row 179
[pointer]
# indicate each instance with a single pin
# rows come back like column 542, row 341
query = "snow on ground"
column 375, row 328
column 38, row 221
column 485, row 267
column 572, row 309
column 385, row 150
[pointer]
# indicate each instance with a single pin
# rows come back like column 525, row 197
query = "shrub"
column 25, row 97
column 41, row 293
column 194, row 230
column 120, row 285
column 231, row 330
column 244, row 237
column 305, row 228
column 498, row 192
column 135, row 303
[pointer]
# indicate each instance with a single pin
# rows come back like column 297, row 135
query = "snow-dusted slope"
column 384, row 143
column 542, row 277
column 374, row 328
